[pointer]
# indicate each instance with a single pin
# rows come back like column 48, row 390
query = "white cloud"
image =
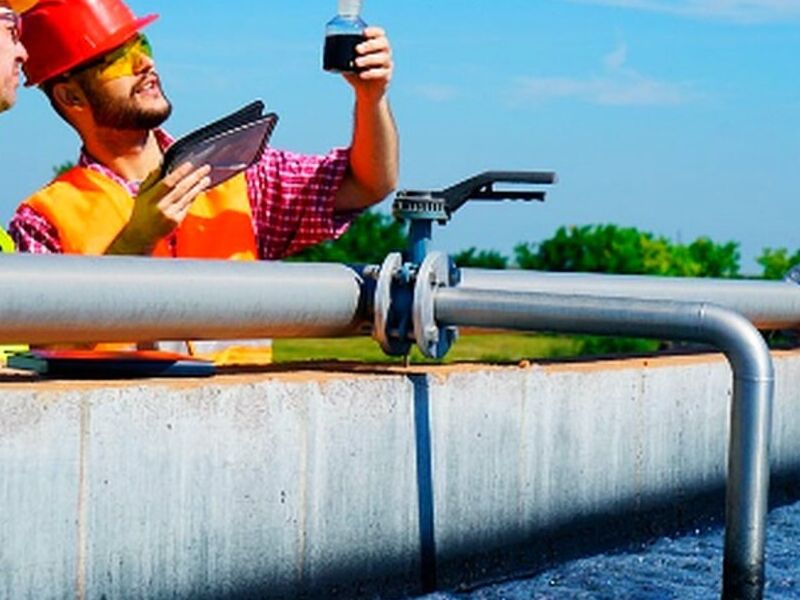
column 618, row 85
column 616, row 59
column 742, row 11
column 637, row 91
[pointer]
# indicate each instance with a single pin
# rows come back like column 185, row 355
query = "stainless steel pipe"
column 767, row 304
column 60, row 299
column 747, row 485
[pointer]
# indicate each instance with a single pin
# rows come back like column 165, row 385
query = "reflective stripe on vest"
column 6, row 243
column 88, row 209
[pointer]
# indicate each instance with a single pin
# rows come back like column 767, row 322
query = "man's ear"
column 69, row 95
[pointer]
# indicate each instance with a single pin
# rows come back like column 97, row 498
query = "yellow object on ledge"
column 238, row 353
column 7, row 246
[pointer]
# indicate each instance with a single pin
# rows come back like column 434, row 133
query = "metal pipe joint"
column 404, row 306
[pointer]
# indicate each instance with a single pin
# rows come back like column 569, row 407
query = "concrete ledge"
column 350, row 482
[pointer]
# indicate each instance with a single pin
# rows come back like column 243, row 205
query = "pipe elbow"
column 742, row 343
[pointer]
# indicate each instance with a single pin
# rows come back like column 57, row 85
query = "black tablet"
column 93, row 364
column 228, row 145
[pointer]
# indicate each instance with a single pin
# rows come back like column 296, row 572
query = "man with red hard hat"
column 97, row 68
column 12, row 52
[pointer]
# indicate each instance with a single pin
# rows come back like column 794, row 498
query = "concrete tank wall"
column 347, row 481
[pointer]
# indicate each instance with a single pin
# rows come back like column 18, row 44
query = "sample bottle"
column 342, row 34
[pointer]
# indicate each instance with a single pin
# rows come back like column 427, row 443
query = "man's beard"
column 8, row 93
column 124, row 114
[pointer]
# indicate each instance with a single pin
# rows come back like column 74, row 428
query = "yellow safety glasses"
column 15, row 23
column 123, row 61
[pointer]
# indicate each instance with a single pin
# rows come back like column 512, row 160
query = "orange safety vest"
column 89, row 209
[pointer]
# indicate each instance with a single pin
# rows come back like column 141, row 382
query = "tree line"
column 581, row 249
column 588, row 248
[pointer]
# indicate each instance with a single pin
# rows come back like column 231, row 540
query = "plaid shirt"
column 291, row 197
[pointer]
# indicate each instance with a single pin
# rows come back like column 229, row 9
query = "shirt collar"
column 87, row 161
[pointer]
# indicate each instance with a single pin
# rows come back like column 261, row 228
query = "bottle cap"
column 350, row 8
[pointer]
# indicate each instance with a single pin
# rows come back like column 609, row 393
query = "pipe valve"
column 403, row 302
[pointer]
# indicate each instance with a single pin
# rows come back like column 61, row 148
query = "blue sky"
column 679, row 117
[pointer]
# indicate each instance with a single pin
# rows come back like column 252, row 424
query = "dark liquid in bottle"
column 340, row 52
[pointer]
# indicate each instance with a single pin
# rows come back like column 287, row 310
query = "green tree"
column 708, row 259
column 483, row 259
column 626, row 250
column 63, row 167
column 776, row 262
column 370, row 238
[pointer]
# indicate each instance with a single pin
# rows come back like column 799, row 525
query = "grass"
column 485, row 348
column 491, row 348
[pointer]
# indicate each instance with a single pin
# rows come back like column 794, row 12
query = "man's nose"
column 22, row 53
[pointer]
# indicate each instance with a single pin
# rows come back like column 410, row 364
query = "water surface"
column 685, row 568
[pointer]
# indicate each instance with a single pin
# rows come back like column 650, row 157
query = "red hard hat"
column 62, row 34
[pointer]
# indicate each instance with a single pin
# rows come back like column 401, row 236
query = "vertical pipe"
column 427, row 529
column 747, row 487
column 420, row 233
column 747, row 495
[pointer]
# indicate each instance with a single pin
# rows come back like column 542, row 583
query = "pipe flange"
column 391, row 345
column 435, row 272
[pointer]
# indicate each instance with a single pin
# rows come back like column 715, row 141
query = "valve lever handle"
column 481, row 187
